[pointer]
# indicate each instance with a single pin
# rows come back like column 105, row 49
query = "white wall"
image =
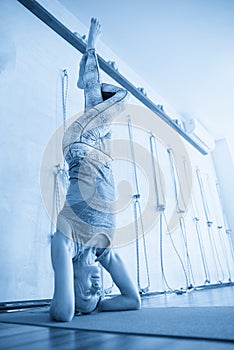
column 31, row 109
column 32, row 59
column 218, row 256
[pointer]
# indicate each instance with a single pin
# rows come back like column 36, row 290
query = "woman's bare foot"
column 94, row 33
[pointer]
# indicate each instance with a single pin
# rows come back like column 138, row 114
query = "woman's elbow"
column 136, row 302
column 62, row 315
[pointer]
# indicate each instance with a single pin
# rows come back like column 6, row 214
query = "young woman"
column 86, row 224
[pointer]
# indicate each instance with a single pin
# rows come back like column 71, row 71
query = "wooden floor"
column 15, row 336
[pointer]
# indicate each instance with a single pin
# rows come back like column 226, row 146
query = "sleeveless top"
column 90, row 201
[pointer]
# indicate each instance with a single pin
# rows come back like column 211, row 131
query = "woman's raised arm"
column 129, row 299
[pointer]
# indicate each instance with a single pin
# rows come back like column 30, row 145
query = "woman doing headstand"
column 86, row 224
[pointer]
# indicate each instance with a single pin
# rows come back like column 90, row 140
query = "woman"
column 85, row 225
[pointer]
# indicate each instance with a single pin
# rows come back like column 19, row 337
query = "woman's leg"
column 63, row 303
column 92, row 89
column 109, row 100
column 89, row 78
column 80, row 82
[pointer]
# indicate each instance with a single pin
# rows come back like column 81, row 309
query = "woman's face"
column 88, row 287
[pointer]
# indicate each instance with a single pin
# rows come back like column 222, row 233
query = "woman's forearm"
column 120, row 302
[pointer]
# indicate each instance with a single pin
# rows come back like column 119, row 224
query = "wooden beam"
column 46, row 17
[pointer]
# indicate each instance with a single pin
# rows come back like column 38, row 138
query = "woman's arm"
column 129, row 298
column 63, row 304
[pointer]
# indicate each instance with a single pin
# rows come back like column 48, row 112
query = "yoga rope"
column 224, row 249
column 209, row 222
column 219, row 226
column 130, row 134
column 161, row 252
column 57, row 190
column 64, row 97
column 61, row 174
column 179, row 257
column 181, row 210
column 196, row 222
column 64, row 109
column 176, row 183
column 183, row 231
column 158, row 184
column 138, row 210
column 226, row 227
column 161, row 206
column 160, row 200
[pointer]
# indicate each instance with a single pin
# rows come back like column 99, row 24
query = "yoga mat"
column 211, row 323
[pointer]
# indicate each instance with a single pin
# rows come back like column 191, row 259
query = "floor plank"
column 220, row 296
column 33, row 338
column 23, row 337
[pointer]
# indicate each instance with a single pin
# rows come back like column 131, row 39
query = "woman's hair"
column 86, row 307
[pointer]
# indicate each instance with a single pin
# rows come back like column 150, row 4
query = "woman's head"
column 88, row 287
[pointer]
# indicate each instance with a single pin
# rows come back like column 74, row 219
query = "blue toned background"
column 183, row 49
column 182, row 52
